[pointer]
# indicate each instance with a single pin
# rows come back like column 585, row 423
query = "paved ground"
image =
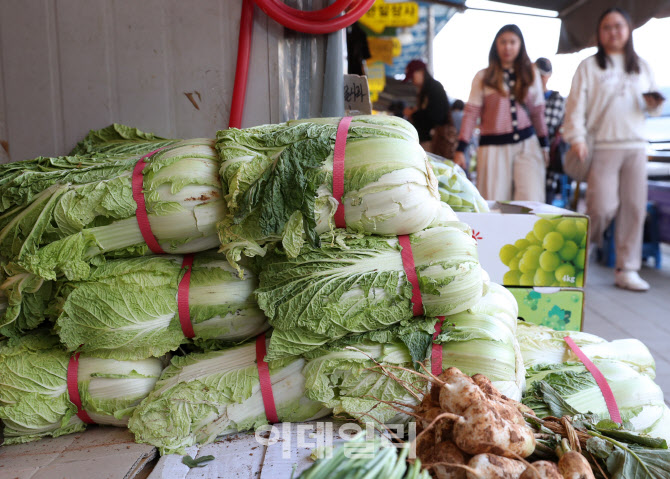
column 613, row 313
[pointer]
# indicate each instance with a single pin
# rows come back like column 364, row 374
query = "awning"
column 579, row 16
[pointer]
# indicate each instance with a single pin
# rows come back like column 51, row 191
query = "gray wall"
column 68, row 66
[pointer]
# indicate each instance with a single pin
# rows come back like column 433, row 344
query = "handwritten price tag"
column 356, row 95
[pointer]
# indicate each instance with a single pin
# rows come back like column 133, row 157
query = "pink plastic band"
column 141, row 211
column 73, row 388
column 600, row 380
column 338, row 169
column 436, row 353
column 410, row 271
column 182, row 298
column 266, row 383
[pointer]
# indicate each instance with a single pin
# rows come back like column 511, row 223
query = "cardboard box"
column 531, row 244
column 561, row 309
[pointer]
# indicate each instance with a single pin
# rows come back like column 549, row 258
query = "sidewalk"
column 613, row 313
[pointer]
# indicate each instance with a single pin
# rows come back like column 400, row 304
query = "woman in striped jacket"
column 508, row 100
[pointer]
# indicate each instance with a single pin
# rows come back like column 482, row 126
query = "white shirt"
column 613, row 99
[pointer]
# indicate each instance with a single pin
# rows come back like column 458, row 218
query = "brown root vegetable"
column 572, row 465
column 516, row 408
column 489, row 423
column 442, row 428
column 425, row 446
column 459, row 391
column 490, row 466
column 542, row 470
column 446, row 453
column 483, row 430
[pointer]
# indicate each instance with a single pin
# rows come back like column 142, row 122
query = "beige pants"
column 511, row 172
column 617, row 187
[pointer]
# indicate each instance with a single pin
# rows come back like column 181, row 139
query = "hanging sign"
column 382, row 15
column 384, row 49
column 376, row 79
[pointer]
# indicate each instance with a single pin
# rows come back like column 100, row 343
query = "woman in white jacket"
column 608, row 89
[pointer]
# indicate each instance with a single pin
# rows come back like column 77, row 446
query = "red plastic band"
column 600, row 380
column 410, row 271
column 182, row 297
column 266, row 383
column 73, row 388
column 141, row 211
column 436, row 353
column 338, row 169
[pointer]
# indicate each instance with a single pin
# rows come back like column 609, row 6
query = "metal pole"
column 430, row 36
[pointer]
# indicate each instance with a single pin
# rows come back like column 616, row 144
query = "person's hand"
column 459, row 159
column 580, row 149
column 652, row 101
column 545, row 153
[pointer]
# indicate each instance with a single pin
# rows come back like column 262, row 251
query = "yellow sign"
column 383, row 49
column 382, row 15
column 376, row 79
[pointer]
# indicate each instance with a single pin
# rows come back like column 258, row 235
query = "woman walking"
column 609, row 89
column 508, row 99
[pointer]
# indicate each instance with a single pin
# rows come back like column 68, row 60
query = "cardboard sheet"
column 99, row 452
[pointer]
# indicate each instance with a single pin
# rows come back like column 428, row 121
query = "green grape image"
column 543, row 278
column 521, row 244
column 565, row 273
column 553, row 253
column 580, row 258
column 513, row 264
column 530, row 260
column 532, row 239
column 512, row 278
column 553, row 241
column 541, row 228
column 549, row 261
column 580, row 236
column 555, row 222
column 569, row 251
column 526, row 279
column 568, row 228
column 507, row 252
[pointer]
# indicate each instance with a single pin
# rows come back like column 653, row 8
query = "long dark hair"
column 523, row 67
column 631, row 59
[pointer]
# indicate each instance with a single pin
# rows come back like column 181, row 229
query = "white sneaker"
column 629, row 279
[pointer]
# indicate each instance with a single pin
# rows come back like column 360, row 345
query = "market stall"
column 239, row 304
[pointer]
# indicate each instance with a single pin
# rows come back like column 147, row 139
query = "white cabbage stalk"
column 203, row 396
column 34, row 400
column 482, row 340
column 639, row 399
column 662, row 427
column 128, row 308
column 359, row 285
column 344, row 374
column 278, row 183
column 401, row 202
column 78, row 216
column 542, row 345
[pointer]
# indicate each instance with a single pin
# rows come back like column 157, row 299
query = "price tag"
column 356, row 95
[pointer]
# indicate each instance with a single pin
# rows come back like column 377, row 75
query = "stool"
column 651, row 247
